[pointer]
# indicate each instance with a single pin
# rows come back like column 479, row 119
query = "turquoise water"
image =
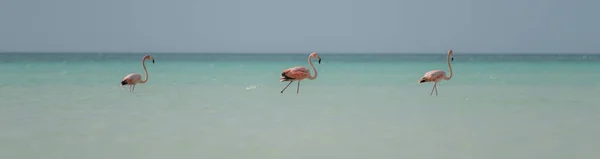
column 225, row 106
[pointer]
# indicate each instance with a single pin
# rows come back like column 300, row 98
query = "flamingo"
column 135, row 78
column 436, row 76
column 300, row 73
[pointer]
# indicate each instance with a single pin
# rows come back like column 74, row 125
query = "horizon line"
column 407, row 53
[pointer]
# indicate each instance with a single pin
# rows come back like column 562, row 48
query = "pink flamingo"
column 299, row 73
column 135, row 78
column 436, row 76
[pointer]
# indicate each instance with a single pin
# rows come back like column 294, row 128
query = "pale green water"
column 228, row 106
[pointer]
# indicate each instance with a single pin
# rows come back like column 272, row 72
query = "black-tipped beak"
column 152, row 61
column 319, row 60
column 422, row 80
column 452, row 59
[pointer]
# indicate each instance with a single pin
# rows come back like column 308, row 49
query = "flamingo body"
column 433, row 76
column 297, row 73
column 132, row 79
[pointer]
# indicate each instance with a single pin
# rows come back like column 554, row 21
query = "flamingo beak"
column 452, row 59
column 422, row 80
column 152, row 60
column 319, row 60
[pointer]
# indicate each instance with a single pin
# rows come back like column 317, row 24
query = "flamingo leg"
column 298, row 88
column 435, row 86
column 133, row 88
column 286, row 86
column 130, row 88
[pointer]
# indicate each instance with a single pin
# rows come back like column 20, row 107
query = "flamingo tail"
column 284, row 77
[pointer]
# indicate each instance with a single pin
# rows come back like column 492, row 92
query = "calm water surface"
column 228, row 106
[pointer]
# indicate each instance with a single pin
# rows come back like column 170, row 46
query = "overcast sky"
column 280, row 26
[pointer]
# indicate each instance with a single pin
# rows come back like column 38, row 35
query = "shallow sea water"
column 361, row 106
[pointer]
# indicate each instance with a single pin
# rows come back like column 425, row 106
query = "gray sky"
column 268, row 26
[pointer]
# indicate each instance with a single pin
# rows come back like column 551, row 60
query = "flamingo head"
column 451, row 55
column 314, row 55
column 422, row 80
column 148, row 57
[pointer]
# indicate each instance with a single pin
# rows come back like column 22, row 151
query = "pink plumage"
column 295, row 73
column 434, row 76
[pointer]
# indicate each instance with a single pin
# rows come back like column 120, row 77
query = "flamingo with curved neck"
column 299, row 73
column 436, row 76
column 136, row 78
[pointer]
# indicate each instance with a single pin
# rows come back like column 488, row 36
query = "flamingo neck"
column 314, row 69
column 145, row 70
column 449, row 67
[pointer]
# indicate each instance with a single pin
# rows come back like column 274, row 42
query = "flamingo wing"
column 132, row 78
column 294, row 73
column 434, row 75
